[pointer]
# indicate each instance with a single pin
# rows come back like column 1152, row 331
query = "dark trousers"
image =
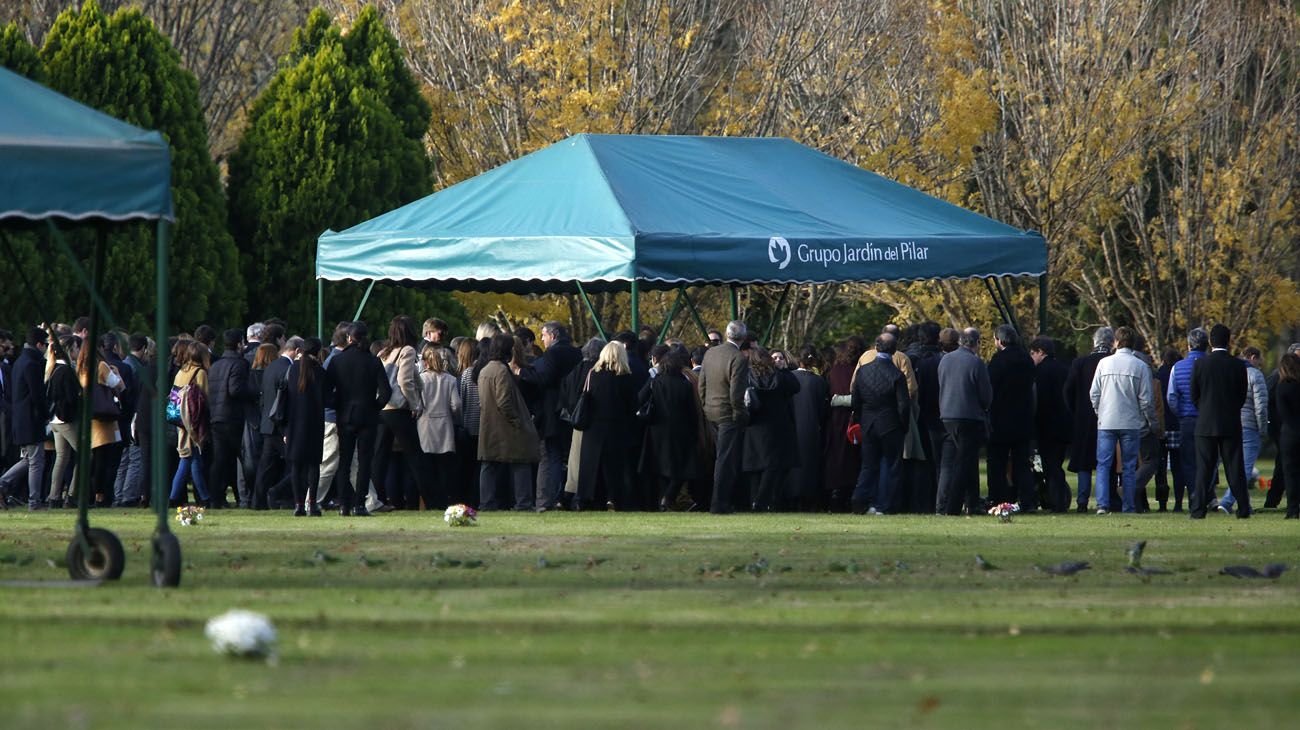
column 1228, row 450
column 551, row 472
column 271, row 471
column 444, row 472
column 961, row 465
column 1162, row 471
column 939, row 446
column 880, row 473
column 1288, row 460
column 1052, row 455
column 226, row 437
column 730, row 439
column 467, row 490
column 1187, row 458
column 250, row 453
column 398, row 425
column 358, row 441
column 1277, row 485
column 104, row 461
column 767, row 487
column 492, row 473
column 1020, row 455
column 305, row 476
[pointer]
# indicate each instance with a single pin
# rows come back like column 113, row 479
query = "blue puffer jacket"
column 1180, row 386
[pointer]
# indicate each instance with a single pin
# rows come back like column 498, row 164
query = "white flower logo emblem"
column 778, row 251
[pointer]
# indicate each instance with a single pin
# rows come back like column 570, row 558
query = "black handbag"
column 104, row 406
column 646, row 413
column 580, row 416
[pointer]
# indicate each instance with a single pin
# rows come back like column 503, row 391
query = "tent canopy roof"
column 666, row 210
column 62, row 159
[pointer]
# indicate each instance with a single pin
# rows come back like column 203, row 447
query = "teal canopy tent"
column 606, row 211
column 63, row 160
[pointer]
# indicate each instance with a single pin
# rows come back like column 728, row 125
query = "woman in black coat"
column 811, row 407
column 304, row 427
column 841, row 461
column 609, row 440
column 673, row 433
column 1287, row 400
column 1078, row 385
column 771, row 445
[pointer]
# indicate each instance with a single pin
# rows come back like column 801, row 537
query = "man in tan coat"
column 900, row 358
column 724, row 376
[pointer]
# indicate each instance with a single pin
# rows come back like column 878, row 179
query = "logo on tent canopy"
column 778, row 251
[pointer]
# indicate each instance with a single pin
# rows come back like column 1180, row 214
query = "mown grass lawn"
column 650, row 621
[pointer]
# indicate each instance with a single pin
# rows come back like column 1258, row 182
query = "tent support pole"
column 157, row 479
column 592, row 311
column 695, row 314
column 364, row 298
column 997, row 300
column 320, row 308
column 1042, row 304
column 81, row 480
column 636, row 306
column 672, row 312
column 1006, row 302
column 776, row 316
column 735, row 303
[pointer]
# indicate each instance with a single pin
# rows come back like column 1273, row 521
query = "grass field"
column 651, row 621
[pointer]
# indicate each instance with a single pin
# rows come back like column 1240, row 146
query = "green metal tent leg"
column 592, row 311
column 695, row 313
column 776, row 315
column 735, row 303
column 997, row 300
column 320, row 308
column 1042, row 304
column 365, row 298
column 672, row 312
column 158, row 457
column 636, row 307
column 1006, row 302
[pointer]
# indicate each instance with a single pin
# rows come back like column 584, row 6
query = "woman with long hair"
column 508, row 444
column 673, row 433
column 473, row 356
column 608, row 443
column 193, row 431
column 842, row 460
column 771, row 443
column 105, row 436
column 64, row 396
column 1286, row 398
column 437, row 425
column 309, row 387
column 397, row 422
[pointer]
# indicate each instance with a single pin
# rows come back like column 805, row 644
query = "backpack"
column 174, row 400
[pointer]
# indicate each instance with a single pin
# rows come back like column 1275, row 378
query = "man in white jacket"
column 1125, row 405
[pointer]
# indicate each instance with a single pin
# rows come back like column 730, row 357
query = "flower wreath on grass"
column 1004, row 511
column 461, row 515
column 189, row 514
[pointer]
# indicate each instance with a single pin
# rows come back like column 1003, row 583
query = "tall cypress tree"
column 123, row 66
column 336, row 138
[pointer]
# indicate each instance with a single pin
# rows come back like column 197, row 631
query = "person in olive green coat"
column 508, row 443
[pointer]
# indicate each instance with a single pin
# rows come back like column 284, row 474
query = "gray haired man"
column 723, row 379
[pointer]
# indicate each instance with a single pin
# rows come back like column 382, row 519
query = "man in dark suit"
column 272, row 477
column 547, row 374
column 1051, row 419
column 29, row 415
column 880, row 400
column 229, row 393
column 1218, row 391
column 361, row 390
column 1083, row 427
column 723, row 379
column 1011, row 422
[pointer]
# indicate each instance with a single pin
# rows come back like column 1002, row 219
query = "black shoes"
column 298, row 511
column 313, row 509
column 360, row 512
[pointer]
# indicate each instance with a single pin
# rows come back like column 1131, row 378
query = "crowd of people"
column 262, row 420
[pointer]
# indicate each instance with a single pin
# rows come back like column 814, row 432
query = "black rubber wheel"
column 105, row 560
column 166, row 565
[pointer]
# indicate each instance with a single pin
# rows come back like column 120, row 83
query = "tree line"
column 1153, row 144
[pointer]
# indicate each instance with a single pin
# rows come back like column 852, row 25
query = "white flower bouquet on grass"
column 189, row 515
column 461, row 515
column 1004, row 511
column 243, row 634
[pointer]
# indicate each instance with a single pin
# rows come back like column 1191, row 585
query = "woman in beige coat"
column 437, row 425
column 508, row 442
column 397, row 422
